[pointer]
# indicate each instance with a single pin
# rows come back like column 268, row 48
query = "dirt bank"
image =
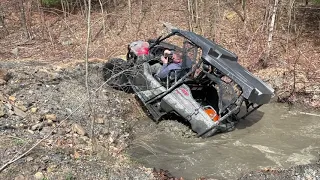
column 37, row 97
column 309, row 171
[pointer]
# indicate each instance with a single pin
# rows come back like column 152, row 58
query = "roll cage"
column 215, row 63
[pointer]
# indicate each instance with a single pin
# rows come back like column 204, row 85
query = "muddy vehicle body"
column 208, row 91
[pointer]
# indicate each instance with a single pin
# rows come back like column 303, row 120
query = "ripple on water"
column 271, row 137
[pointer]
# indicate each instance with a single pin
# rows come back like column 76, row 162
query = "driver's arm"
column 164, row 71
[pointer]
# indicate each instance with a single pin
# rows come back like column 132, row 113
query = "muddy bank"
column 37, row 97
column 309, row 171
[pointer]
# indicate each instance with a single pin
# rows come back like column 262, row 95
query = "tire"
column 114, row 72
column 210, row 133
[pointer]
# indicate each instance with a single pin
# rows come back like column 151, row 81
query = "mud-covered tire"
column 210, row 133
column 114, row 72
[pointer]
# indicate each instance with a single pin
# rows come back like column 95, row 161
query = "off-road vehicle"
column 208, row 92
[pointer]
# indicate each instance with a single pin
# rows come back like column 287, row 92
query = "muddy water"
column 274, row 136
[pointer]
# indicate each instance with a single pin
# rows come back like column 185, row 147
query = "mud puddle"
column 274, row 136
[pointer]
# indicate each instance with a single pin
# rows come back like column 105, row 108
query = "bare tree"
column 85, row 7
column 23, row 19
column 193, row 14
column 190, row 14
column 103, row 19
column 244, row 9
column 87, row 72
column 291, row 4
column 129, row 8
column 2, row 23
column 271, row 28
column 63, row 7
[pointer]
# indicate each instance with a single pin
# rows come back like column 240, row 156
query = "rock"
column 19, row 112
column 105, row 131
column 34, row 118
column 23, row 108
column 37, row 126
column 2, row 82
column 29, row 158
column 66, row 43
column 99, row 120
column 34, row 109
column 316, row 97
column 76, row 155
column 15, row 52
column 51, row 168
column 4, row 76
column 67, row 130
column 2, row 97
column 12, row 98
column 20, row 105
column 51, row 117
column 2, row 109
column 45, row 158
column 31, row 132
column 78, row 129
column 9, row 106
column 38, row 175
column 20, row 177
column 49, row 122
column 46, row 130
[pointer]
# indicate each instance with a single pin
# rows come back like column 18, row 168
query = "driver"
column 163, row 71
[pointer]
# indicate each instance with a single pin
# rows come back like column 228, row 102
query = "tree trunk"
column 91, row 111
column 103, row 19
column 2, row 23
column 244, row 9
column 85, row 8
column 271, row 28
column 40, row 11
column 190, row 15
column 129, row 6
column 291, row 3
column 23, row 19
column 197, row 13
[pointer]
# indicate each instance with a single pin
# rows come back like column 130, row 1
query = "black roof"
column 253, row 88
column 207, row 46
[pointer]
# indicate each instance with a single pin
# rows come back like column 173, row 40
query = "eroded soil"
column 38, row 97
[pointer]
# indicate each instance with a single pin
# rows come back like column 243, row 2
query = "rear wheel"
column 114, row 72
column 210, row 133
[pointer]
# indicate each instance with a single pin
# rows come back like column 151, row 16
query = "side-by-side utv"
column 208, row 91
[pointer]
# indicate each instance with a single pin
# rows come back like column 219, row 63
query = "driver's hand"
column 166, row 51
column 164, row 60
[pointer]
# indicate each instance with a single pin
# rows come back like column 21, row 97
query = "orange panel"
column 212, row 114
